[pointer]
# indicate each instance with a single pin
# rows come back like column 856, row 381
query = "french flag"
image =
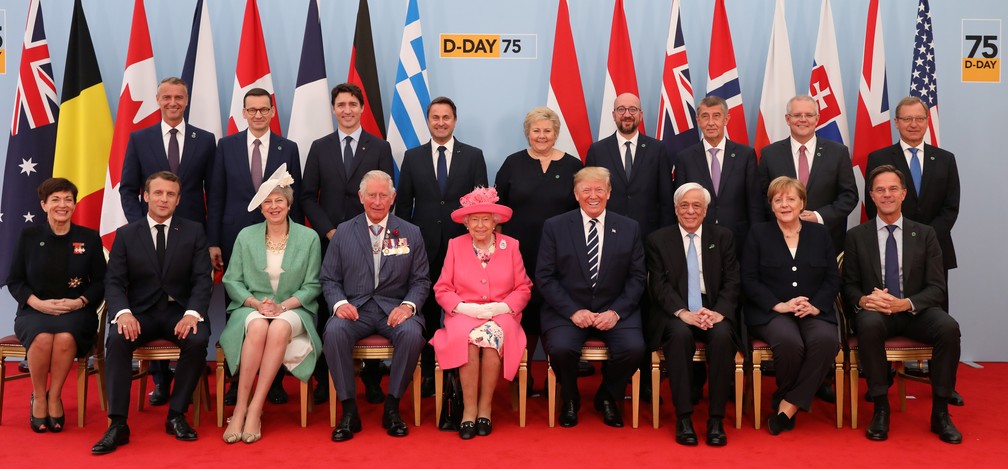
column 566, row 95
column 252, row 71
column 872, row 127
column 311, row 114
column 722, row 75
column 778, row 85
column 621, row 76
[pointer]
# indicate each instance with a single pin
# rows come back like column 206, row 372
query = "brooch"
column 74, row 282
column 502, row 244
column 78, row 248
column 193, row 135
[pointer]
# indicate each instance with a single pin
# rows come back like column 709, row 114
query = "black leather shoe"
column 779, row 423
column 956, row 399
column 231, row 395
column 321, row 393
column 684, row 433
column 826, row 393
column 878, row 429
column 116, row 436
column 159, row 396
column 180, row 428
column 942, row 426
column 348, row 425
column 373, row 392
column 715, row 433
column 277, row 394
column 467, row 430
column 483, row 426
column 427, row 386
column 393, row 422
column 610, row 413
column 568, row 415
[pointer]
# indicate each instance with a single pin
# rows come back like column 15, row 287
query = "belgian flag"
column 84, row 131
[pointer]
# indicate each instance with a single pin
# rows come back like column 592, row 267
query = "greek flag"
column 408, row 118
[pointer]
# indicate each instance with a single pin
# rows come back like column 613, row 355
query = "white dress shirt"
column 449, row 148
column 263, row 150
column 180, row 136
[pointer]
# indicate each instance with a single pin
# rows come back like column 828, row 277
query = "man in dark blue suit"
column 373, row 277
column 328, row 193
column 591, row 273
column 432, row 179
column 185, row 150
column 157, row 287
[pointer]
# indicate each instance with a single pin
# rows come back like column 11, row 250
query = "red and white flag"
column 722, row 75
column 566, row 95
column 253, row 70
column 138, row 108
column 620, row 73
column 872, row 129
column 778, row 85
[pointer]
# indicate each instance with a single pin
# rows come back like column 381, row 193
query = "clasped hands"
column 267, row 307
column 799, row 306
column 703, row 319
column 884, row 302
column 57, row 306
column 602, row 321
column 483, row 311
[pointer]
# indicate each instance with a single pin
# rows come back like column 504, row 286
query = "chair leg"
column 438, row 393
column 142, row 373
column 635, row 396
column 522, row 389
column 416, row 395
column 838, row 384
column 757, row 384
column 197, row 399
column 551, row 386
column 82, row 376
column 3, row 383
column 901, row 384
column 655, row 381
column 332, row 403
column 205, row 390
column 99, row 365
column 219, row 385
column 855, row 397
column 305, row 396
column 739, row 386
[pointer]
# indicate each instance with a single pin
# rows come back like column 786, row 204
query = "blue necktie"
column 442, row 169
column 892, row 267
column 347, row 156
column 593, row 254
column 915, row 169
column 694, row 300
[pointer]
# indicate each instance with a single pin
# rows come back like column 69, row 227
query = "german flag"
column 364, row 73
column 84, row 131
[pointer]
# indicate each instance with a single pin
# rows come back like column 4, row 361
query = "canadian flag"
column 252, row 71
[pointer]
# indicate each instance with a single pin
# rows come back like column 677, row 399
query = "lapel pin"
column 643, row 145
column 913, row 233
column 932, row 158
column 279, row 148
column 41, row 243
column 193, row 135
column 711, row 246
column 503, row 244
column 733, row 155
column 557, row 176
column 613, row 230
column 818, row 153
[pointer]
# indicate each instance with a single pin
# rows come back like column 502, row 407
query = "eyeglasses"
column 252, row 111
column 633, row 110
column 884, row 190
column 915, row 119
column 807, row 116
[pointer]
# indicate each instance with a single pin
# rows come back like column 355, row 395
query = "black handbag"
column 451, row 404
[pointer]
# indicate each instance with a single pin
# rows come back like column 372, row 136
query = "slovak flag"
column 872, row 129
column 676, row 112
column 253, row 70
column 722, row 75
column 825, row 85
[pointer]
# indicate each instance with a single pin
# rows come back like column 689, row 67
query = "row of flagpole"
column 84, row 134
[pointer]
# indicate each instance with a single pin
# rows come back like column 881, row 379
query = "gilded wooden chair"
column 376, row 347
column 519, row 394
column 699, row 356
column 307, row 402
column 593, row 350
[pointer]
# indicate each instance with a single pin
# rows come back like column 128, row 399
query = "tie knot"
column 801, row 149
column 376, row 229
column 891, row 228
column 691, row 236
column 713, row 152
column 257, row 142
column 348, row 139
column 593, row 221
column 173, row 132
column 913, row 152
column 627, row 144
column 160, row 228
column 441, row 149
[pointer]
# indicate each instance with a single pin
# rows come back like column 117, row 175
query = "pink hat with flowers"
column 481, row 200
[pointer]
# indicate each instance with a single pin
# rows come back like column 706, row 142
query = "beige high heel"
column 249, row 437
column 232, row 435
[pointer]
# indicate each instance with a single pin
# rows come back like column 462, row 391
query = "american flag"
column 676, row 113
column 923, row 82
column 32, row 142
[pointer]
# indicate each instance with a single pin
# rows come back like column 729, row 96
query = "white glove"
column 484, row 312
column 469, row 309
column 498, row 308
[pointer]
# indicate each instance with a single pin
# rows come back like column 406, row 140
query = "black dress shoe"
column 779, row 423
column 684, row 433
column 321, row 394
column 610, row 413
column 878, row 429
column 180, row 428
column 483, row 426
column 159, row 396
column 956, row 399
column 231, row 395
column 393, row 422
column 348, row 425
column 467, row 430
column 826, row 393
column 427, row 386
column 942, row 426
column 568, row 415
column 116, row 436
column 277, row 394
column 715, row 433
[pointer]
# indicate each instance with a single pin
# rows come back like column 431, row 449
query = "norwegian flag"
column 778, row 85
column 566, row 95
column 32, row 141
column 138, row 109
column 825, row 85
column 253, row 70
column 872, row 129
column 676, row 112
column 722, row 75
column 923, row 82
column 621, row 76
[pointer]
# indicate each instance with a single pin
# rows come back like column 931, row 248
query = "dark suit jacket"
column 938, row 202
column 145, row 155
column 419, row 199
column 923, row 274
column 328, row 193
column 648, row 196
column 770, row 275
column 134, row 281
column 348, row 267
column 562, row 270
column 668, row 279
column 739, row 204
column 230, row 189
column 831, row 188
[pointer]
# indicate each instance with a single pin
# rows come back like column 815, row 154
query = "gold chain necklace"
column 276, row 248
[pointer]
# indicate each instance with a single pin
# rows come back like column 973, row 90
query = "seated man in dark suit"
column 591, row 273
column 158, row 287
column 693, row 277
column 893, row 280
column 374, row 275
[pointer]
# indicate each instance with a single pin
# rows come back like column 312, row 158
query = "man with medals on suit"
column 693, row 278
column 157, row 287
column 893, row 282
column 328, row 196
column 591, row 273
column 824, row 167
column 188, row 152
column 933, row 195
column 240, row 166
column 374, row 276
column 433, row 177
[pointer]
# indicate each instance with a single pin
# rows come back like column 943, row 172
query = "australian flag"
column 32, row 141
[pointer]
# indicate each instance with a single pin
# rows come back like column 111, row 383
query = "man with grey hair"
column 693, row 277
column 374, row 276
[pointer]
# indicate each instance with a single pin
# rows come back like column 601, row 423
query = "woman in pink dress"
column 483, row 289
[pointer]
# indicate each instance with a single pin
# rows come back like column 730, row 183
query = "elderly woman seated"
column 273, row 286
column 483, row 289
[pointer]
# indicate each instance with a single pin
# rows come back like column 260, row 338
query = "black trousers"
column 564, row 343
column 804, row 350
column 679, row 345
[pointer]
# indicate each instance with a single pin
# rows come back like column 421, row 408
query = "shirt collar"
column 720, row 146
column 383, row 223
column 906, row 146
column 882, row 225
column 585, row 218
column 810, row 145
column 449, row 147
column 355, row 134
column 622, row 140
column 165, row 128
column 684, row 233
column 264, row 140
column 151, row 223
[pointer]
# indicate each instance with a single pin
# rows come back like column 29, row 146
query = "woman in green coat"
column 272, row 281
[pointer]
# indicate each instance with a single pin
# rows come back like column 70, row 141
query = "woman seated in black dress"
column 790, row 279
column 57, row 278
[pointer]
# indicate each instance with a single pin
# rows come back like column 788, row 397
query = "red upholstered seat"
column 10, row 340
column 374, row 341
column 758, row 344
column 894, row 343
column 159, row 344
column 594, row 343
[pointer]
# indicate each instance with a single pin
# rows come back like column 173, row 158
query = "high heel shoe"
column 55, row 424
column 249, row 437
column 232, row 435
column 38, row 424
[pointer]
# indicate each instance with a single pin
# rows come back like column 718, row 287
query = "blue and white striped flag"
column 408, row 118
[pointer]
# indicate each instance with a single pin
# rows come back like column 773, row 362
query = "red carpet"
column 815, row 441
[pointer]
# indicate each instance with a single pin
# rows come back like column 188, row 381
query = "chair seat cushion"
column 758, row 344
column 374, row 341
column 10, row 340
column 894, row 343
column 158, row 344
column 594, row 343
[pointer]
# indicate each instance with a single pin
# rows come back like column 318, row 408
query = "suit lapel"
column 359, row 155
column 171, row 245
column 873, row 253
column 579, row 243
column 818, row 166
column 899, row 161
column 391, row 226
column 158, row 147
column 610, row 239
column 616, row 153
column 640, row 155
column 930, row 167
column 727, row 163
column 361, row 232
column 704, row 170
column 243, row 166
column 455, row 168
column 188, row 150
column 146, row 240
column 910, row 250
column 711, row 265
column 428, row 172
column 274, row 156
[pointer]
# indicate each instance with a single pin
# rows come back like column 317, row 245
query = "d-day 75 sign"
column 487, row 46
column 981, row 49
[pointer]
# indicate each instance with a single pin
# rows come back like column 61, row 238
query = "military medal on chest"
column 78, row 248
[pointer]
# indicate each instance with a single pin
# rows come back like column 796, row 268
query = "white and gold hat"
column 280, row 178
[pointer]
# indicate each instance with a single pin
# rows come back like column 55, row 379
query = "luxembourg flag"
column 722, row 75
column 825, row 85
column 252, row 71
column 872, row 129
column 408, row 116
column 778, row 85
column 311, row 114
column 676, row 113
column 566, row 95
column 621, row 76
